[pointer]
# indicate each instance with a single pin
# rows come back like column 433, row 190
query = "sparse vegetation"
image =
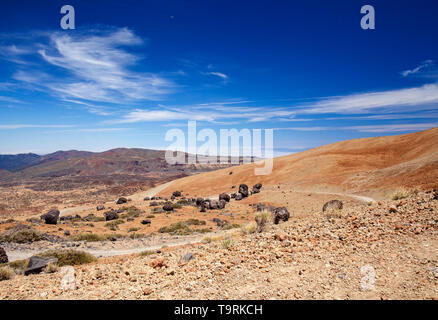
column 182, row 228
column 21, row 236
column 92, row 237
column 132, row 212
column 207, row 240
column 133, row 229
column 114, row 224
column 399, row 194
column 178, row 228
column 150, row 216
column 262, row 218
column 6, row 273
column 18, row 265
column 195, row 222
column 226, row 243
column 52, row 267
column 249, row 227
column 229, row 226
column 69, row 257
column 137, row 236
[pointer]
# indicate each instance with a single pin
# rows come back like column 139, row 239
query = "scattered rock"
column 101, row 207
column 146, row 221
column 176, row 194
column 199, row 201
column 256, row 188
column 187, row 257
column 168, row 206
column 238, row 196
column 37, row 264
column 243, row 190
column 111, row 215
column 122, row 200
column 333, row 204
column 225, row 196
column 280, row 214
column 51, row 217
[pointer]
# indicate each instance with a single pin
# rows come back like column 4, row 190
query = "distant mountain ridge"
column 125, row 161
column 16, row 162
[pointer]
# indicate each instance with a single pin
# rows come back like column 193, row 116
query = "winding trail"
column 136, row 196
column 107, row 250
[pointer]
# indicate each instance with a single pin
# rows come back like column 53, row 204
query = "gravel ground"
column 382, row 250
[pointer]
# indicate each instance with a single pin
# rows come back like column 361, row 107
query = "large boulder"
column 168, row 206
column 51, row 217
column 199, row 201
column 176, row 194
column 256, row 188
column 225, row 196
column 333, row 205
column 222, row 204
column 280, row 214
column 3, row 256
column 243, row 190
column 111, row 215
column 238, row 196
column 214, row 204
column 122, row 200
column 37, row 264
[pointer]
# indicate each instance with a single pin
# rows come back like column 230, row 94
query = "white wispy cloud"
column 217, row 74
column 368, row 128
column 410, row 99
column 97, row 65
column 425, row 64
column 215, row 113
column 24, row 126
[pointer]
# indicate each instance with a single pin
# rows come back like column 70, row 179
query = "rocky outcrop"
column 122, row 200
column 225, row 196
column 111, row 215
column 280, row 214
column 256, row 188
column 176, row 194
column 51, row 217
column 332, row 204
column 168, row 206
column 37, row 264
column 243, row 190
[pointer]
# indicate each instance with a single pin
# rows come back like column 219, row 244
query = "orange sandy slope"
column 370, row 166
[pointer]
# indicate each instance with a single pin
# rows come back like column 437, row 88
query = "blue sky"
column 132, row 70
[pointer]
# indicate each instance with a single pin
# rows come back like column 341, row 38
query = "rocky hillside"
column 385, row 250
column 370, row 166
